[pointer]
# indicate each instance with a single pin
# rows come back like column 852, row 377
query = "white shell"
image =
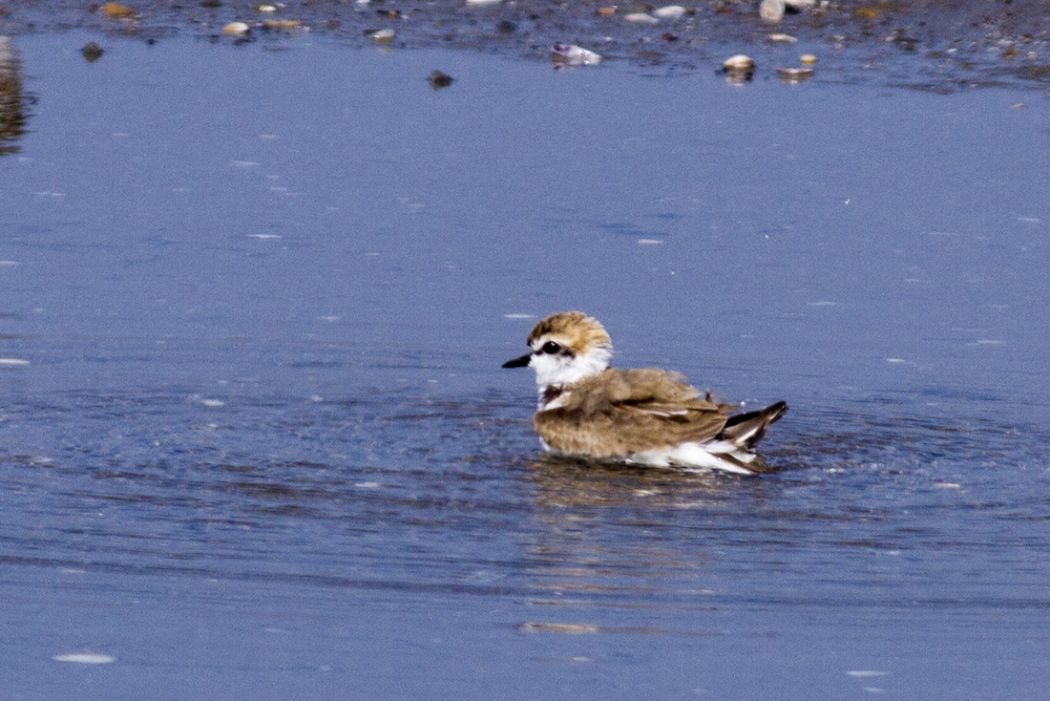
column 641, row 18
column 771, row 10
column 236, row 29
column 794, row 75
column 739, row 62
column 383, row 36
column 669, row 12
column 573, row 55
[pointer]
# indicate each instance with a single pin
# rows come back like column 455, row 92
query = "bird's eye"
column 550, row 348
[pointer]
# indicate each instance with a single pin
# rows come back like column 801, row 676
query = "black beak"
column 521, row 362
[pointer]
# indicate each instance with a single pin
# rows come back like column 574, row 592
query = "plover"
column 644, row 416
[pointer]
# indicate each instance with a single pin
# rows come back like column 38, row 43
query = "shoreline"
column 923, row 45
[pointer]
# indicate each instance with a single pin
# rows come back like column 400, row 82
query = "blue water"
column 259, row 443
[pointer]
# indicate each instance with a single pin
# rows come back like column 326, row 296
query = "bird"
column 641, row 416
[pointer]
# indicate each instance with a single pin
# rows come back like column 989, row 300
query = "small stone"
column 505, row 26
column 483, row 2
column 782, row 38
column 282, row 25
column 92, row 51
column 607, row 11
column 114, row 10
column 572, row 55
column 771, row 10
column 794, row 75
column 439, row 79
column 739, row 62
column 640, row 18
column 669, row 12
column 268, row 9
column 236, row 29
column 738, row 68
column 382, row 36
column 807, row 59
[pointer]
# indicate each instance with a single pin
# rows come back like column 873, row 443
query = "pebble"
column 282, row 25
column 483, row 2
column 771, row 10
column 794, row 75
column 439, row 79
column 236, row 29
column 382, row 36
column 640, row 18
column 782, row 38
column 669, row 12
column 92, row 51
column 13, row 362
column 607, row 11
column 739, row 62
column 807, row 59
column 269, row 9
column 114, row 10
column 572, row 55
column 738, row 68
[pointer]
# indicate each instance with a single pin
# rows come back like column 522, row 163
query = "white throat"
column 561, row 371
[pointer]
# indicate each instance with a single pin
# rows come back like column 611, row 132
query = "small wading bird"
column 644, row 416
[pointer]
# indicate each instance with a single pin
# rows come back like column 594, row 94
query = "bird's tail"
column 746, row 430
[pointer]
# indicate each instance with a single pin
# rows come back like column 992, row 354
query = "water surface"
column 255, row 439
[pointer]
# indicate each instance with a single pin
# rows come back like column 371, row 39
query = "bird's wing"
column 619, row 412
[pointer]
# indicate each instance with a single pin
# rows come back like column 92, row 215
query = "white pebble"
column 573, row 55
column 739, row 62
column 669, row 12
column 641, row 18
column 13, row 362
column 771, row 10
column 236, row 29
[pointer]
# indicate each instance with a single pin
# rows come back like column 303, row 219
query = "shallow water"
column 262, row 444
